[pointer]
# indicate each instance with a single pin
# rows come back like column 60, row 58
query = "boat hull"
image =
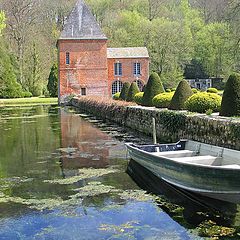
column 217, row 183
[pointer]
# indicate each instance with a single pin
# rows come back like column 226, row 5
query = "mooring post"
column 154, row 131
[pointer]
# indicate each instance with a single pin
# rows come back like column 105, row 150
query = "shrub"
column 168, row 90
column 124, row 92
column 52, row 85
column 212, row 90
column 138, row 98
column 194, row 90
column 154, row 87
column 133, row 90
column 173, row 89
column 183, row 92
column 27, row 94
column 162, row 100
column 203, row 101
column 116, row 96
column 231, row 97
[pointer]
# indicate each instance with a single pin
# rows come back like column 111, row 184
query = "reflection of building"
column 87, row 66
column 82, row 144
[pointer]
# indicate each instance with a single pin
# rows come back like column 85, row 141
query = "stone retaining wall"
column 170, row 125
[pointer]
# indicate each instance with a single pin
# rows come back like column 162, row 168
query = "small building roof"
column 133, row 52
column 81, row 24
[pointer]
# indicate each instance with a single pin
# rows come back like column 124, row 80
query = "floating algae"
column 138, row 195
column 84, row 173
column 93, row 189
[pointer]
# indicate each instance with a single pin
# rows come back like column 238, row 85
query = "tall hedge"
column 154, row 87
column 133, row 90
column 183, row 92
column 124, row 91
column 53, row 81
column 231, row 97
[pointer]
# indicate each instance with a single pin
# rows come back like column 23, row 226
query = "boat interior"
column 192, row 152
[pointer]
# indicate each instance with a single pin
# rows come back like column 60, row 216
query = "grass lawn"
column 27, row 101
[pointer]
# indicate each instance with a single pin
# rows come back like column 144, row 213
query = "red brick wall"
column 87, row 68
column 127, row 70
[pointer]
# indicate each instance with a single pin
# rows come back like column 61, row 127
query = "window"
column 137, row 69
column 67, row 58
column 118, row 69
column 83, row 92
column 140, row 84
column 117, row 87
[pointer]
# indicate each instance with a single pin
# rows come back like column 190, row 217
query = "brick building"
column 87, row 66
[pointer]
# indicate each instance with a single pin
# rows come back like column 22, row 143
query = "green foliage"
column 138, row 98
column 168, row 90
column 53, row 81
column 124, row 91
column 212, row 90
column 231, row 97
column 133, row 90
column 9, row 88
column 116, row 96
column 183, row 92
column 27, row 94
column 2, row 21
column 172, row 121
column 154, row 87
column 194, row 90
column 173, row 89
column 162, row 100
column 203, row 101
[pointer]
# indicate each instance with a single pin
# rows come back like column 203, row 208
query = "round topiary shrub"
column 138, row 98
column 116, row 96
column 133, row 90
column 203, row 101
column 154, row 87
column 162, row 100
column 231, row 97
column 183, row 92
column 168, row 90
column 194, row 90
column 212, row 90
column 124, row 91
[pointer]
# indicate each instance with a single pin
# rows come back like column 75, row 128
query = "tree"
column 2, row 21
column 124, row 91
column 53, row 81
column 182, row 93
column 231, row 97
column 154, row 87
column 133, row 90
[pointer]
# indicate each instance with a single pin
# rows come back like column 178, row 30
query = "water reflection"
column 62, row 176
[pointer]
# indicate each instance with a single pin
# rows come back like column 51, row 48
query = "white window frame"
column 117, row 86
column 117, row 69
column 137, row 69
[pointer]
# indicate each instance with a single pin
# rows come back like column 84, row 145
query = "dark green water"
column 63, row 176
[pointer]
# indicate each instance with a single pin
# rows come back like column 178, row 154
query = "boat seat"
column 173, row 154
column 231, row 166
column 200, row 160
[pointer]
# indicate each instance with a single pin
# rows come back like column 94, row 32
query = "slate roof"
column 81, row 24
column 133, row 52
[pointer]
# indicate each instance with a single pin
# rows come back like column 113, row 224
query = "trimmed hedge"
column 133, row 90
column 183, row 92
column 116, row 96
column 212, row 90
column 231, row 97
column 203, row 101
column 194, row 90
column 138, row 98
column 154, row 87
column 124, row 91
column 163, row 100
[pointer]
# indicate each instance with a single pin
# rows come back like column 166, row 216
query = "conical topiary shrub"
column 231, row 97
column 183, row 92
column 154, row 87
column 133, row 90
column 124, row 92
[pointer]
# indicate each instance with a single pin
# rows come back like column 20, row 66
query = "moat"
column 66, row 175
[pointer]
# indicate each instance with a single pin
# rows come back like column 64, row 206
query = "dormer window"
column 67, row 58
column 118, row 69
column 137, row 69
